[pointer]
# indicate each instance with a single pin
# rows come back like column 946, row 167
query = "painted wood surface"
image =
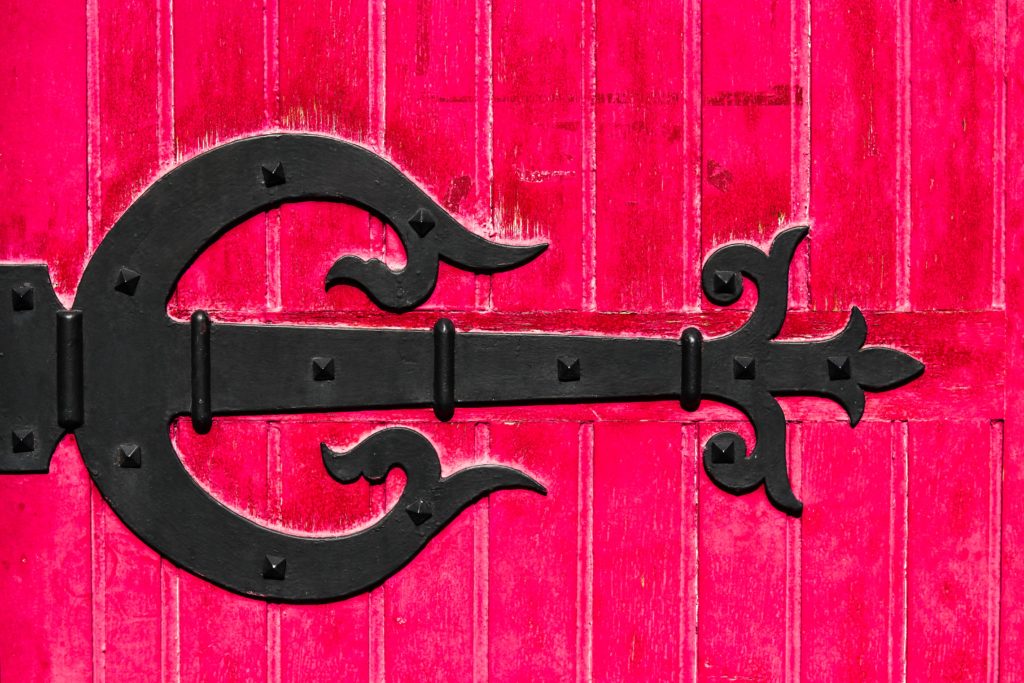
column 635, row 138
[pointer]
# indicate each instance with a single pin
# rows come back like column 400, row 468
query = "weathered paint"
column 635, row 140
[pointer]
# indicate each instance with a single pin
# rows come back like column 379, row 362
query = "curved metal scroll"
column 748, row 368
column 126, row 288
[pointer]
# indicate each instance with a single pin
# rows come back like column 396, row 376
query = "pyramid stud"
column 23, row 441
column 744, row 367
column 275, row 177
column 323, row 369
column 129, row 455
column 422, row 222
column 274, row 567
column 723, row 455
column 724, row 282
column 127, row 281
column 568, row 369
column 839, row 367
column 419, row 512
column 23, row 298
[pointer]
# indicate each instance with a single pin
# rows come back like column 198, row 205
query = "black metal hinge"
column 115, row 369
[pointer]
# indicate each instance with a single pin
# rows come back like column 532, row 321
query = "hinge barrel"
column 70, row 405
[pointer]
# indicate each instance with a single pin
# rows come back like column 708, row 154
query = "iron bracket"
column 115, row 369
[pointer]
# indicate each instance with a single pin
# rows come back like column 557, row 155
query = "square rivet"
column 274, row 567
column 23, row 441
column 568, row 369
column 744, row 367
column 129, row 455
column 23, row 298
column 323, row 369
column 839, row 367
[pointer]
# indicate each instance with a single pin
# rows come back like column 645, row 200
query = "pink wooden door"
column 634, row 138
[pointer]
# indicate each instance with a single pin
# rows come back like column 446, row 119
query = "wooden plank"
column 430, row 127
column 1011, row 623
column 129, row 108
column 330, row 640
column 743, row 571
column 325, row 87
column 428, row 606
column 533, row 549
column 46, row 572
column 127, row 603
column 850, row 541
column 223, row 635
column 746, row 120
column 637, row 551
column 952, row 115
column 953, row 552
column 540, row 151
column 641, row 241
column 855, row 155
column 219, row 94
column 45, row 548
column 43, row 133
column 323, row 53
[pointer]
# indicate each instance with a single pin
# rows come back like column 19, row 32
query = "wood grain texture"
column 636, row 556
column 742, row 580
column 46, row 563
column 540, row 151
column 634, row 140
column 533, row 578
column 952, row 551
column 850, row 542
column 1011, row 622
column 855, row 153
column 952, row 122
column 640, row 240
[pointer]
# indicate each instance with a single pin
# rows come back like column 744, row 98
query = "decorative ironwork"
column 115, row 369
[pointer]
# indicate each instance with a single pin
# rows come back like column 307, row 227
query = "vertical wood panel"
column 637, row 551
column 855, row 155
column 329, row 641
column 428, row 606
column 43, row 135
column 641, row 216
column 325, row 87
column 952, row 116
column 430, row 124
column 1011, row 627
column 747, row 126
column 223, row 635
column 951, row 551
column 742, row 580
column 847, row 549
column 539, row 150
column 533, row 556
column 46, row 573
column 219, row 94
column 45, row 564
column 127, row 603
